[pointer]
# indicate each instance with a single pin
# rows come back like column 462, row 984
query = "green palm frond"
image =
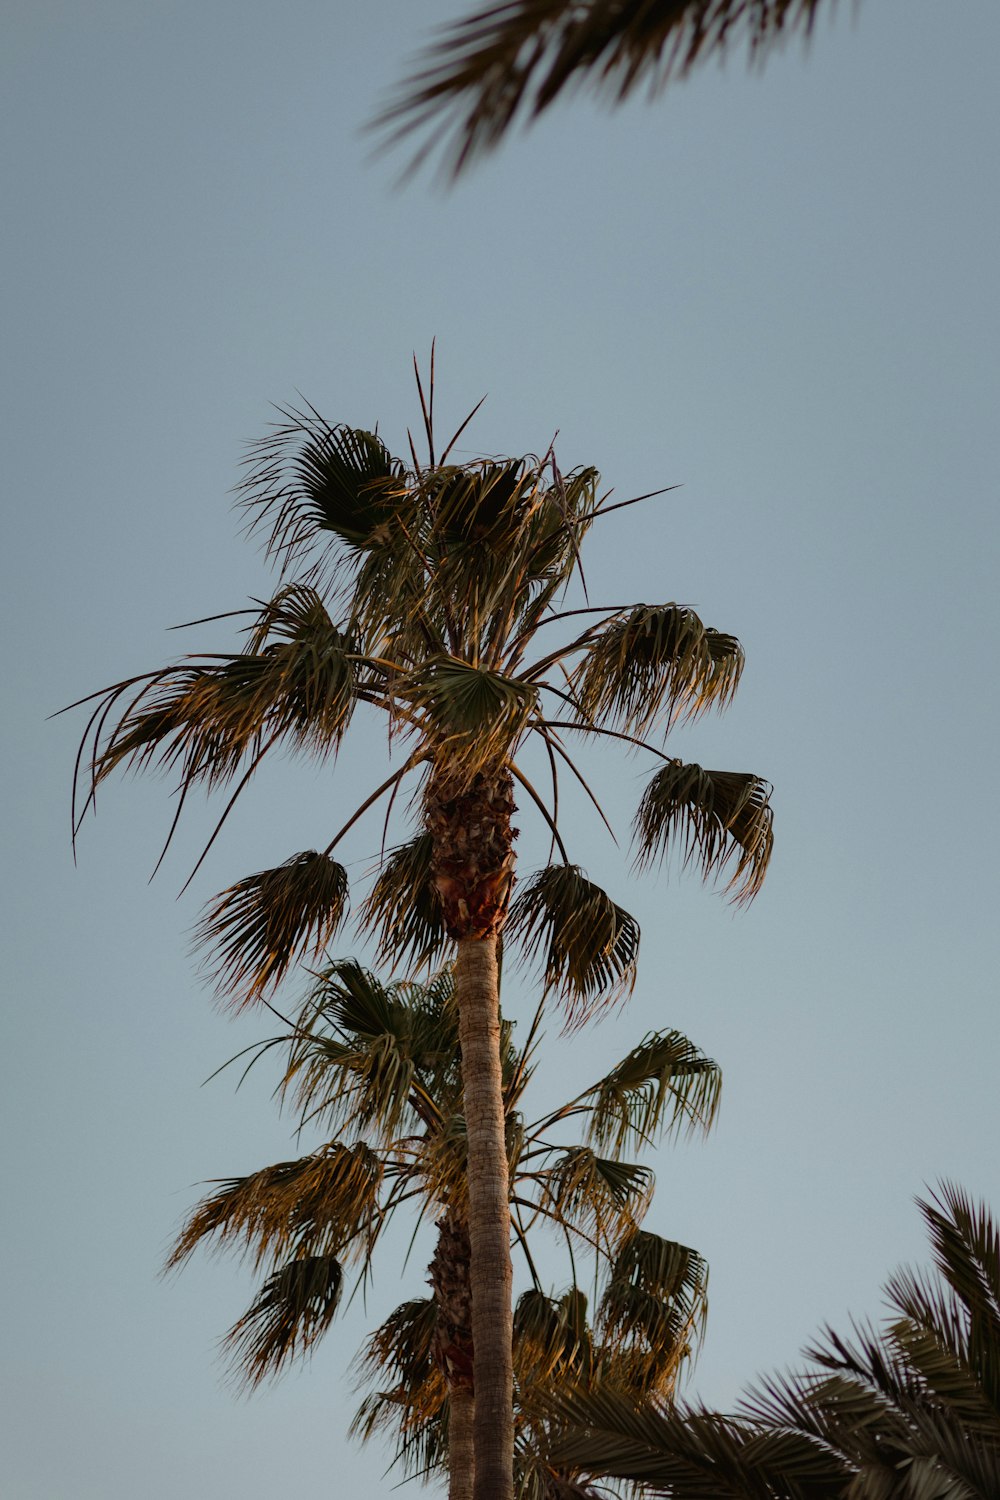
column 403, row 908
column 410, row 1399
column 602, row 1196
column 292, row 1310
column 481, row 504
column 664, row 1084
column 714, row 818
column 514, row 58
column 655, row 661
column 551, row 1337
column 256, row 928
column 654, row 1305
column 692, row 1454
column 297, row 682
column 325, row 1203
column 307, row 478
column 473, row 716
column 590, row 943
column 375, row 1057
column 402, row 1348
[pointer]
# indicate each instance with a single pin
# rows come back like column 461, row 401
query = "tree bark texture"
column 461, row 1453
column 451, row 1280
column 476, row 986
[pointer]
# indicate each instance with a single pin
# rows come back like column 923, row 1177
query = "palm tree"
column 516, row 57
column 909, row 1411
column 423, row 591
column 378, row 1064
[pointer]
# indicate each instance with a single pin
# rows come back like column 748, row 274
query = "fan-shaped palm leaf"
column 294, row 1308
column 603, row 1196
column 515, row 57
column 590, row 942
column 306, row 478
column 403, row 907
column 664, row 1084
column 715, row 818
column 655, row 660
column 256, row 928
column 325, row 1203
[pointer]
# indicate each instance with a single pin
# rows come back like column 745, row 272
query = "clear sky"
column 778, row 291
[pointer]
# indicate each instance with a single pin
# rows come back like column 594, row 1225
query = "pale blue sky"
column 777, row 291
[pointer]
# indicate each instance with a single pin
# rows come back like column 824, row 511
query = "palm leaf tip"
column 715, row 818
column 256, row 928
column 590, row 943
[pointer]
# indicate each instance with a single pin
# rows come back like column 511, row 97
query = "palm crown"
column 429, row 591
column 378, row 1064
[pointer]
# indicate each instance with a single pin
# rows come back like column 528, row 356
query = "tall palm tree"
column 908, row 1411
column 514, row 58
column 379, row 1065
column 428, row 591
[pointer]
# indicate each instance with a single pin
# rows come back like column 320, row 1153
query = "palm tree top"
column 434, row 592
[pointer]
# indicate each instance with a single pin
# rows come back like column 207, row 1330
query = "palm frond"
column 373, row 1058
column 714, row 818
column 473, row 716
column 326, row 1203
column 403, row 908
column 589, row 941
column 551, row 1338
column 292, row 1310
column 409, row 1401
column 256, row 928
column 296, row 682
column 514, row 58
column 694, row 1454
column 655, row 661
column 654, row 1305
column 307, row 478
column 602, row 1196
column 664, row 1084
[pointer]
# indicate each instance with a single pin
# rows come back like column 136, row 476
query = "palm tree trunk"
column 476, row 991
column 461, row 1457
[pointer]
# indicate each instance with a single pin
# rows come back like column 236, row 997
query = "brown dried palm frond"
column 714, row 818
column 665, row 1084
column 655, row 661
column 514, row 58
column 590, row 943
column 290, row 1313
column 325, row 1203
column 403, row 908
column 256, row 928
